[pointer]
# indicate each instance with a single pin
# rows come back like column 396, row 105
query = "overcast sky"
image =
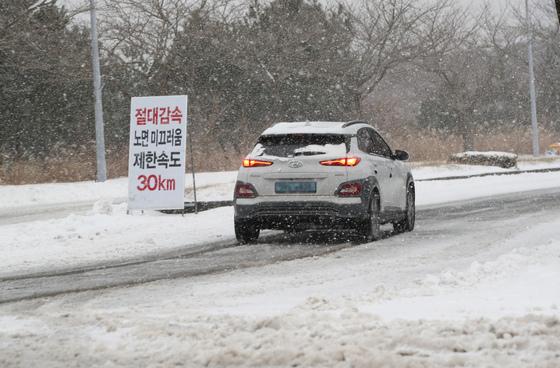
column 496, row 5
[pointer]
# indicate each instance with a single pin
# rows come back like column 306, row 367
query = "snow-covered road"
column 476, row 284
column 487, row 220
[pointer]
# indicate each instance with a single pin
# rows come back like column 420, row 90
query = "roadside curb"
column 499, row 173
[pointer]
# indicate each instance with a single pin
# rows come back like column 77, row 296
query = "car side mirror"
column 400, row 155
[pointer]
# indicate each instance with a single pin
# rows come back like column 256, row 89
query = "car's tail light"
column 248, row 162
column 351, row 189
column 244, row 190
column 345, row 161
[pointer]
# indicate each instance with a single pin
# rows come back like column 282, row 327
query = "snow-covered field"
column 479, row 301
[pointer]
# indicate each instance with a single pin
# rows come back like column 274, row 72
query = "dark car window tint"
column 291, row 145
column 371, row 142
column 379, row 146
column 365, row 142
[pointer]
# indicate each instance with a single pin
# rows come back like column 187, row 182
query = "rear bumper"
column 302, row 214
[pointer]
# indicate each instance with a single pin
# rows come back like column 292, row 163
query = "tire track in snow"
column 203, row 263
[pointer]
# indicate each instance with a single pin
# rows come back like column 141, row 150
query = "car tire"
column 407, row 223
column 370, row 230
column 246, row 232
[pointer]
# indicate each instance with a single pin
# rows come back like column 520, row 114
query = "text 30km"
column 155, row 182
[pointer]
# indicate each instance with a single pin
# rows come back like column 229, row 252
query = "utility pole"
column 532, row 83
column 99, row 134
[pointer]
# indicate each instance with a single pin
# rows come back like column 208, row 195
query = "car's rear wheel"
column 407, row 223
column 246, row 231
column 371, row 229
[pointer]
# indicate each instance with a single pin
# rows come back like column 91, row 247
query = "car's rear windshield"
column 293, row 145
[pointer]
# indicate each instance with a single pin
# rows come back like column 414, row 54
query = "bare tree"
column 480, row 80
column 390, row 33
column 140, row 33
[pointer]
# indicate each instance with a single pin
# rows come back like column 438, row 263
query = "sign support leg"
column 193, row 174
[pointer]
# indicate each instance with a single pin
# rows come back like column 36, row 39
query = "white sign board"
column 156, row 163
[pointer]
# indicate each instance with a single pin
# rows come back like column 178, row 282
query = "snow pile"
column 492, row 158
column 506, row 264
column 487, row 154
column 354, row 339
column 314, row 339
column 102, row 207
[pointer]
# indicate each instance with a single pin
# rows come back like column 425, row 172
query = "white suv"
column 313, row 175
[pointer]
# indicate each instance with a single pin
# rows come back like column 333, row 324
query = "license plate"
column 295, row 187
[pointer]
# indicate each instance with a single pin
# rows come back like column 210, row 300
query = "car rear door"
column 396, row 180
column 400, row 173
column 378, row 166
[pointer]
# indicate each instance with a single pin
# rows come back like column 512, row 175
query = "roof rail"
column 353, row 122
